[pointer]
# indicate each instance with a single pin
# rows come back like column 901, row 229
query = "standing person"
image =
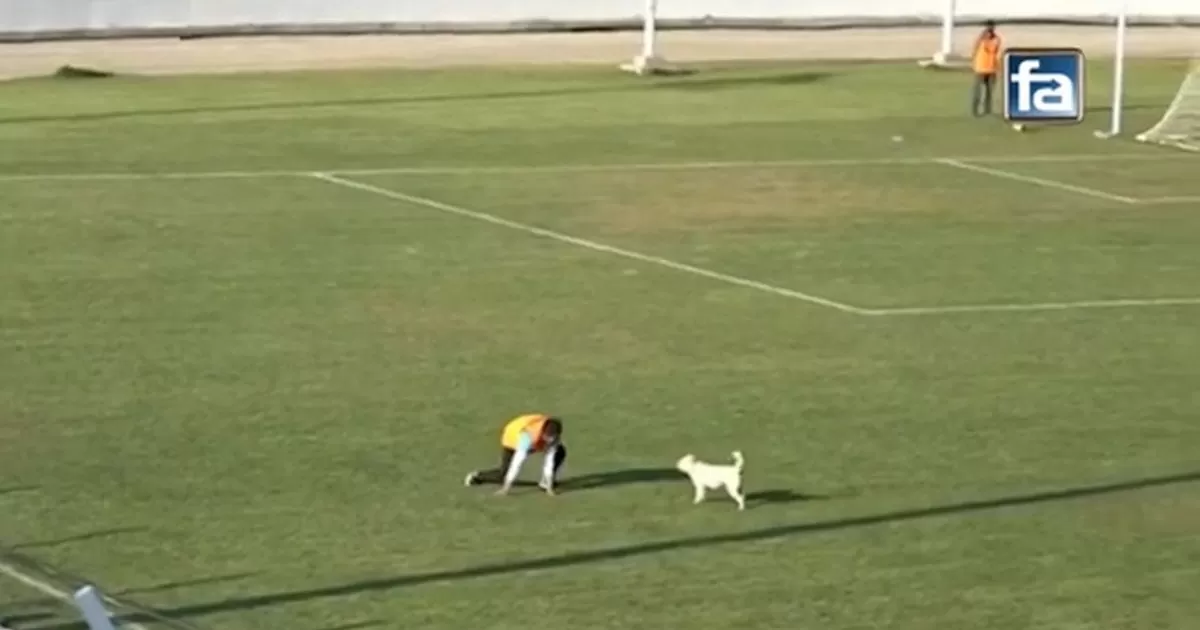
column 985, row 63
column 525, row 434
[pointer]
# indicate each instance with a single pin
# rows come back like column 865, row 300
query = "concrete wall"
column 57, row 19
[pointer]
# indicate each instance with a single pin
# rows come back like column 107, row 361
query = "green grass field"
column 247, row 400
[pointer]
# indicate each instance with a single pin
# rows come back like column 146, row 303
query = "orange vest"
column 987, row 55
column 530, row 423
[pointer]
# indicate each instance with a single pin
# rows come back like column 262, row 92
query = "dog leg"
column 699, row 495
column 736, row 494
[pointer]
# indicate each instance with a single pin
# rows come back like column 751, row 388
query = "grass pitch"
column 247, row 400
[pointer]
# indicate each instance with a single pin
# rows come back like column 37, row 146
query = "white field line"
column 736, row 164
column 587, row 244
column 1037, row 181
column 739, row 281
column 1043, row 306
column 165, row 175
column 958, row 162
column 53, row 592
column 586, row 168
column 1166, row 200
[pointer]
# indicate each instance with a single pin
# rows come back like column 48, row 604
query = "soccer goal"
column 1180, row 125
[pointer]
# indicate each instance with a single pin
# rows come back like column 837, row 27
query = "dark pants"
column 496, row 475
column 981, row 94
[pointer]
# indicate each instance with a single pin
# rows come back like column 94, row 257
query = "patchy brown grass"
column 654, row 202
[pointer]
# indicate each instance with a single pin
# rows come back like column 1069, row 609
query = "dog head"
column 686, row 463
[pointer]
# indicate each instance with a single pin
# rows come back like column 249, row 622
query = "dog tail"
column 738, row 460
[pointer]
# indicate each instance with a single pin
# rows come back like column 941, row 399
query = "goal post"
column 1179, row 125
column 1117, row 111
column 648, row 61
column 944, row 57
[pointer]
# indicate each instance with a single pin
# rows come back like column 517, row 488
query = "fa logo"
column 1043, row 85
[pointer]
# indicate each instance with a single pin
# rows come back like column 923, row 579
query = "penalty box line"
column 1036, row 181
column 336, row 177
column 731, row 279
column 966, row 165
column 1166, row 200
column 587, row 168
column 586, row 244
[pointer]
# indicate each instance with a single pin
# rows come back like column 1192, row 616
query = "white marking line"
column 744, row 282
column 1029, row 179
column 736, row 164
column 52, row 591
column 1044, row 306
column 166, row 175
column 592, row 245
column 585, row 168
column 331, row 176
column 1165, row 200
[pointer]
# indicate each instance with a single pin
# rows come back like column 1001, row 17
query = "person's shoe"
column 547, row 486
column 471, row 479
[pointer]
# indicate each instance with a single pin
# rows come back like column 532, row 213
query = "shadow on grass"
column 56, row 608
column 79, row 72
column 183, row 584
column 17, row 490
column 755, row 80
column 356, row 625
column 626, row 477
column 100, row 533
column 780, row 496
column 616, row 553
column 1104, row 109
column 20, row 620
column 683, row 81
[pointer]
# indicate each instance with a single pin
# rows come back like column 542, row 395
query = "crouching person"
column 521, row 437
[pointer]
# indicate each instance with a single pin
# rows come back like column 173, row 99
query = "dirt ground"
column 174, row 56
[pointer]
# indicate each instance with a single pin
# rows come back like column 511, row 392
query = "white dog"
column 712, row 476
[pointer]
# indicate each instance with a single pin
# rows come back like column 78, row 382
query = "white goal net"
column 1180, row 125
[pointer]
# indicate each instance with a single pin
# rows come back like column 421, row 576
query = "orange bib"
column 987, row 55
column 528, row 423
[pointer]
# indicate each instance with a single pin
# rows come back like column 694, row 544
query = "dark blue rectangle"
column 1043, row 85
